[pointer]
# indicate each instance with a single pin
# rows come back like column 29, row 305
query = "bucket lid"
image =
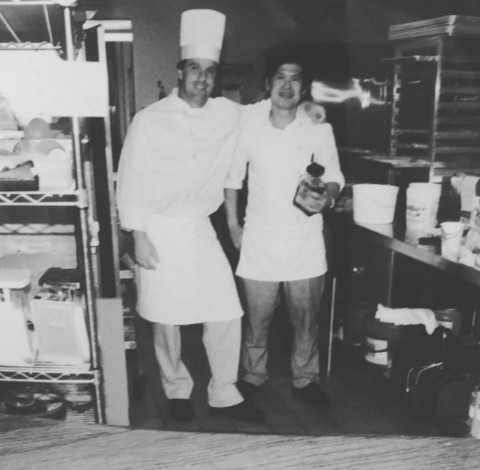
column 14, row 278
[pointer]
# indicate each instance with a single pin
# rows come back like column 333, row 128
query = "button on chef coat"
column 171, row 177
column 280, row 242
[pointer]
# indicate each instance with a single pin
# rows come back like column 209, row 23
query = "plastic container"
column 53, row 162
column 55, row 170
column 382, row 339
column 61, row 329
column 374, row 203
column 422, row 207
column 452, row 235
column 17, row 346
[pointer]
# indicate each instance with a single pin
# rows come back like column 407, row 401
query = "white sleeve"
column 131, row 192
column 238, row 168
column 328, row 155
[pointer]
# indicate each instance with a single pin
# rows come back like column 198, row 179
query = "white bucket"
column 374, row 203
column 422, row 207
column 452, row 233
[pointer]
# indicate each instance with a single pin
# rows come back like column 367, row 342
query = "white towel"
column 407, row 316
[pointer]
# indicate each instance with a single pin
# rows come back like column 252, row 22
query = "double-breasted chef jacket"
column 171, row 178
column 280, row 242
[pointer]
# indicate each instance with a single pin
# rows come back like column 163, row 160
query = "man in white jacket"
column 281, row 246
column 172, row 168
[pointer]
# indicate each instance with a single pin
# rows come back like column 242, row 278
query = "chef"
column 281, row 246
column 172, row 168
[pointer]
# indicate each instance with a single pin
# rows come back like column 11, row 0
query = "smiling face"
column 286, row 86
column 196, row 79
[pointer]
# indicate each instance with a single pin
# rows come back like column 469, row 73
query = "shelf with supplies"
column 45, row 345
column 61, row 338
column 54, row 328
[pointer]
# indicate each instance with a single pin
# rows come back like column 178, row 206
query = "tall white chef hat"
column 201, row 34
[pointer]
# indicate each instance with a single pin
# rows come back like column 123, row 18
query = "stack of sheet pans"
column 452, row 25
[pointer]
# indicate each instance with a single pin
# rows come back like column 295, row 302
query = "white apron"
column 281, row 243
column 283, row 253
column 193, row 282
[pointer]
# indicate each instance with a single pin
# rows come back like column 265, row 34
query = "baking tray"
column 452, row 25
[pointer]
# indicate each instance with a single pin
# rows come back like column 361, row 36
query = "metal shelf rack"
column 46, row 373
column 36, row 198
column 59, row 22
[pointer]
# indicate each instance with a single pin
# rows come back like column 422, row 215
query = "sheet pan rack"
column 436, row 96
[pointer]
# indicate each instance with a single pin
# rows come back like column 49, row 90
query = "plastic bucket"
column 398, row 336
column 374, row 203
column 382, row 340
column 422, row 207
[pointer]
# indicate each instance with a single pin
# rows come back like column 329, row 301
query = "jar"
column 310, row 187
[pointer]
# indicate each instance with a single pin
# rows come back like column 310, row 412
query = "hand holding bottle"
column 311, row 196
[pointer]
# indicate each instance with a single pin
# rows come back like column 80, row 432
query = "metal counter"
column 397, row 243
column 392, row 238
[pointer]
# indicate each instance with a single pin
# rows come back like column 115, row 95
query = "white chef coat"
column 171, row 177
column 280, row 242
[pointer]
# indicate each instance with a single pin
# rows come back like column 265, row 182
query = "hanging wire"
column 47, row 20
column 10, row 29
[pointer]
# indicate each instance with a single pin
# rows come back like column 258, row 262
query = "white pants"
column 222, row 344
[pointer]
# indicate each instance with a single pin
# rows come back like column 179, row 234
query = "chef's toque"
column 201, row 34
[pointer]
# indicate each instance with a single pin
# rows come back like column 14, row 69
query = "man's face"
column 286, row 86
column 196, row 81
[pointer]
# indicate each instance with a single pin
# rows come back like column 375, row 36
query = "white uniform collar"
column 184, row 106
column 297, row 122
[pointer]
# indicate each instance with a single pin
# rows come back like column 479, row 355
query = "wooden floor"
column 362, row 401
column 368, row 427
column 44, row 444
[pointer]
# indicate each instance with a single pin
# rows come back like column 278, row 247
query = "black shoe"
column 181, row 410
column 243, row 411
column 247, row 389
column 313, row 395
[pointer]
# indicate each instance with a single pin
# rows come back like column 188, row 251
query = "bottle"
column 310, row 187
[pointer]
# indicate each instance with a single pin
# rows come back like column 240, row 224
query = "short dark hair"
column 286, row 55
column 181, row 64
